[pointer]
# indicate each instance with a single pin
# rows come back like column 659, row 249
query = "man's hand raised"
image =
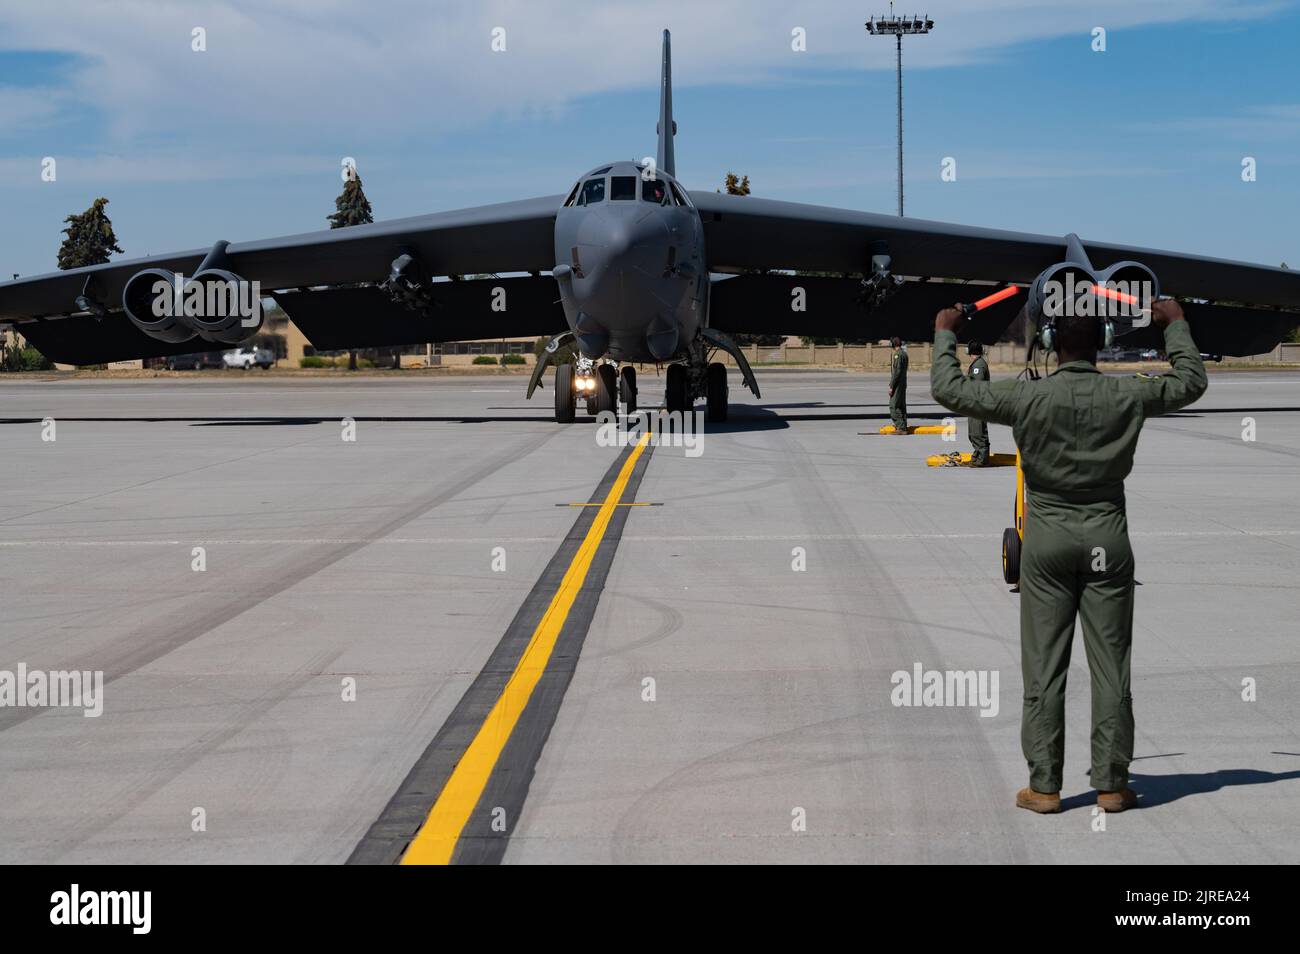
column 1165, row 312
column 948, row 319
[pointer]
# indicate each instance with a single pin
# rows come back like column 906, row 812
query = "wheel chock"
column 963, row 460
column 921, row 429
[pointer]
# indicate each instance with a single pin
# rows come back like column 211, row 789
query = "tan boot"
column 1117, row 801
column 1044, row 804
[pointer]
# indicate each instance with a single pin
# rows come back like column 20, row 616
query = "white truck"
column 248, row 357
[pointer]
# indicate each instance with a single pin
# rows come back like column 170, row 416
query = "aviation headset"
column 1047, row 333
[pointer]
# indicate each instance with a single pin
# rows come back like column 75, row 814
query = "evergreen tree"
column 736, row 185
column 90, row 239
column 353, row 208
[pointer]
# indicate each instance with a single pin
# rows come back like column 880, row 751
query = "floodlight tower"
column 897, row 27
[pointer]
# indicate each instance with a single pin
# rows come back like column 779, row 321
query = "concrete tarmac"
column 734, row 698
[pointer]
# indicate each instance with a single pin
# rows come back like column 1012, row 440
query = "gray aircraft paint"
column 631, row 272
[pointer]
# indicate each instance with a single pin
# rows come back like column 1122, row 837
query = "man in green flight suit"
column 898, row 386
column 1077, row 430
column 978, row 370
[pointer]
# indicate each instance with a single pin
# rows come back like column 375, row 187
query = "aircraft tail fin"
column 667, row 128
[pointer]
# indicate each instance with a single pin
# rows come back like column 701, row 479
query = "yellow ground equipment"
column 922, row 429
column 963, row 460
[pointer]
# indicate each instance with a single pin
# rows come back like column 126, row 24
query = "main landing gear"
column 683, row 383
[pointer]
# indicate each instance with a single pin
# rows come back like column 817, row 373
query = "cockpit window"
column 593, row 191
column 601, row 171
column 679, row 196
column 654, row 190
column 622, row 187
column 573, row 196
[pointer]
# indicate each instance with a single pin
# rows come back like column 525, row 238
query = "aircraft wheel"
column 676, row 395
column 564, row 394
column 627, row 388
column 1011, row 556
column 716, row 384
column 606, row 389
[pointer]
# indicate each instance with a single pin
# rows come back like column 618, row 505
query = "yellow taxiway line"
column 436, row 840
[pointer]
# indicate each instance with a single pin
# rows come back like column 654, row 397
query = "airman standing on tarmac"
column 898, row 386
column 1077, row 430
column 978, row 431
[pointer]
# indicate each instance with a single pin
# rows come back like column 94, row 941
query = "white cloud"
column 377, row 68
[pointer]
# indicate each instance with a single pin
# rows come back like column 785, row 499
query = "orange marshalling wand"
column 970, row 309
column 1116, row 295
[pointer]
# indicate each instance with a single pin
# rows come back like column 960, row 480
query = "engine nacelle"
column 221, row 306
column 1056, row 290
column 1138, row 288
column 1122, row 294
column 149, row 298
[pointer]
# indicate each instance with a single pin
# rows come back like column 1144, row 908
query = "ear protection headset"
column 1047, row 334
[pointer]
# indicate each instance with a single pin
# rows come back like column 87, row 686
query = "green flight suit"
column 978, row 430
column 898, row 390
column 1077, row 431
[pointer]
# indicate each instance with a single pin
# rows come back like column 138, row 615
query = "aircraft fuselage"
column 630, row 264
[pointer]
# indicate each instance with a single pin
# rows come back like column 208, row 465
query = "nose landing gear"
column 564, row 394
column 677, row 389
column 599, row 387
column 606, row 400
column 627, row 388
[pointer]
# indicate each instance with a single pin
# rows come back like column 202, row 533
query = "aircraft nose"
column 623, row 254
column 620, row 233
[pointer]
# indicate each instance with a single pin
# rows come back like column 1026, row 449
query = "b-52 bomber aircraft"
column 626, row 267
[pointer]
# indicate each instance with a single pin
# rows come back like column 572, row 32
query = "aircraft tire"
column 675, row 389
column 606, row 389
column 627, row 388
column 716, row 393
column 564, row 411
column 1011, row 556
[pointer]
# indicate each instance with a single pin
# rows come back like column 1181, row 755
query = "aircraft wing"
column 507, row 237
column 745, row 234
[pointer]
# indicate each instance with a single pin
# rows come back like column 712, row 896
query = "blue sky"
column 1141, row 144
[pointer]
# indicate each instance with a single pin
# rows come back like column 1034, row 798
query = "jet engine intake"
column 1121, row 294
column 222, row 306
column 150, row 301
